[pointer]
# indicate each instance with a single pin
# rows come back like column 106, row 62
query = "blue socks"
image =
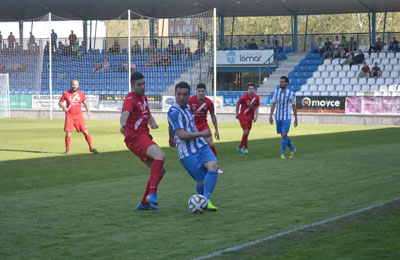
column 209, row 183
column 289, row 143
column 199, row 189
column 284, row 143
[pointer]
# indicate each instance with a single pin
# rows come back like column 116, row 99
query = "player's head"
column 251, row 89
column 182, row 93
column 138, row 84
column 284, row 82
column 74, row 85
column 201, row 90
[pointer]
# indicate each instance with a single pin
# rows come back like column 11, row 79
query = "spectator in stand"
column 253, row 45
column 1, row 41
column 133, row 67
column 61, row 47
column 320, row 46
column 106, row 65
column 11, row 41
column 72, row 39
column 345, row 44
column 341, row 52
column 180, row 47
column 327, row 46
column 188, row 53
column 376, row 71
column 15, row 67
column 222, row 46
column 378, row 46
column 365, row 71
column 167, row 60
column 97, row 68
column 53, row 40
column 200, row 49
column 358, row 59
column 275, row 42
column 171, row 47
column 269, row 45
column 245, row 44
column 202, row 37
column 81, row 51
column 115, row 49
column 352, row 44
column 150, row 61
column 31, row 43
column 124, row 67
column 394, row 45
column 22, row 67
column 46, row 48
column 159, row 60
column 349, row 59
column 336, row 43
column 136, row 48
column 263, row 45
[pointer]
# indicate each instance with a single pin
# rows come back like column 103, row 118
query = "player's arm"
column 184, row 135
column 124, row 117
column 87, row 108
column 256, row 114
column 172, row 142
column 237, row 110
column 215, row 123
column 295, row 114
column 61, row 104
column 152, row 122
column 271, row 113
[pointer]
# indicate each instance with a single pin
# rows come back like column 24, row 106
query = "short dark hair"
column 201, row 85
column 136, row 76
column 251, row 84
column 182, row 84
column 285, row 78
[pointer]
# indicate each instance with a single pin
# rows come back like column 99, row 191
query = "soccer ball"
column 197, row 203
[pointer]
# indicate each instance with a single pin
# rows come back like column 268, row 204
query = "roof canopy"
column 15, row 10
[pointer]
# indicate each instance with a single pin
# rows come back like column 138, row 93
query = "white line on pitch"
column 271, row 237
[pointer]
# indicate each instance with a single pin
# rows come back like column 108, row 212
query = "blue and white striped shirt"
column 283, row 101
column 181, row 118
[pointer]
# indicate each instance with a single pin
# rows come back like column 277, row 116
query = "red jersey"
column 74, row 102
column 138, row 119
column 200, row 109
column 248, row 107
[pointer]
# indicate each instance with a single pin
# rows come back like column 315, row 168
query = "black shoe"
column 94, row 151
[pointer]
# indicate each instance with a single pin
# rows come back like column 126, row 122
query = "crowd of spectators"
column 13, row 67
column 252, row 45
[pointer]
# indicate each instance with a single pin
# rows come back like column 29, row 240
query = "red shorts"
column 77, row 122
column 246, row 124
column 203, row 127
column 139, row 145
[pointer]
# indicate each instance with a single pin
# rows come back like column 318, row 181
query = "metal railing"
column 275, row 56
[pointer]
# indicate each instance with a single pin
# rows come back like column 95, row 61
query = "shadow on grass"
column 23, row 151
column 35, row 173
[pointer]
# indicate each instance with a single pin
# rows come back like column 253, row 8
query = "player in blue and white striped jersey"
column 285, row 101
column 193, row 151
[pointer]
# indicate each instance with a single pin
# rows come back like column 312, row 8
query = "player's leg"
column 67, row 141
column 246, row 139
column 193, row 166
column 211, row 177
column 279, row 130
column 156, row 171
column 210, row 143
column 243, row 125
column 89, row 141
column 285, row 129
column 68, row 128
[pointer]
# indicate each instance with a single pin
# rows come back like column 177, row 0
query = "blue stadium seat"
column 293, row 81
column 303, row 62
column 288, row 49
column 304, row 68
column 316, row 56
column 297, row 68
column 296, row 88
column 309, row 56
column 292, row 74
column 313, row 48
column 267, row 102
column 301, row 81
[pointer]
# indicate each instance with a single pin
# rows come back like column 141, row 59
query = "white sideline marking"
column 271, row 237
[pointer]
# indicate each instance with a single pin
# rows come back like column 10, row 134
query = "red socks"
column 213, row 150
column 155, row 175
column 244, row 141
column 146, row 192
column 89, row 141
column 67, row 142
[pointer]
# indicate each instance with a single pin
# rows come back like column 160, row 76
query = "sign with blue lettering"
column 244, row 57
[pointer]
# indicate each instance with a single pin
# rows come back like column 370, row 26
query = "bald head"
column 74, row 85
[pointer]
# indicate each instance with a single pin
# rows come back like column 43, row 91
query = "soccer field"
column 83, row 206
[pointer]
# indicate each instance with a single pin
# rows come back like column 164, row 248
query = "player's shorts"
column 246, row 124
column 139, row 145
column 202, row 127
column 194, row 164
column 282, row 126
column 77, row 122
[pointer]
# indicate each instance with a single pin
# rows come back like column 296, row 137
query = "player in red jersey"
column 74, row 99
column 200, row 105
column 249, row 104
column 135, row 118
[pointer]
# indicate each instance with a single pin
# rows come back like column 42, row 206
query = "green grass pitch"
column 82, row 206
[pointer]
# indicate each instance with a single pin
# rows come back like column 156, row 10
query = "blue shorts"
column 282, row 126
column 194, row 164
